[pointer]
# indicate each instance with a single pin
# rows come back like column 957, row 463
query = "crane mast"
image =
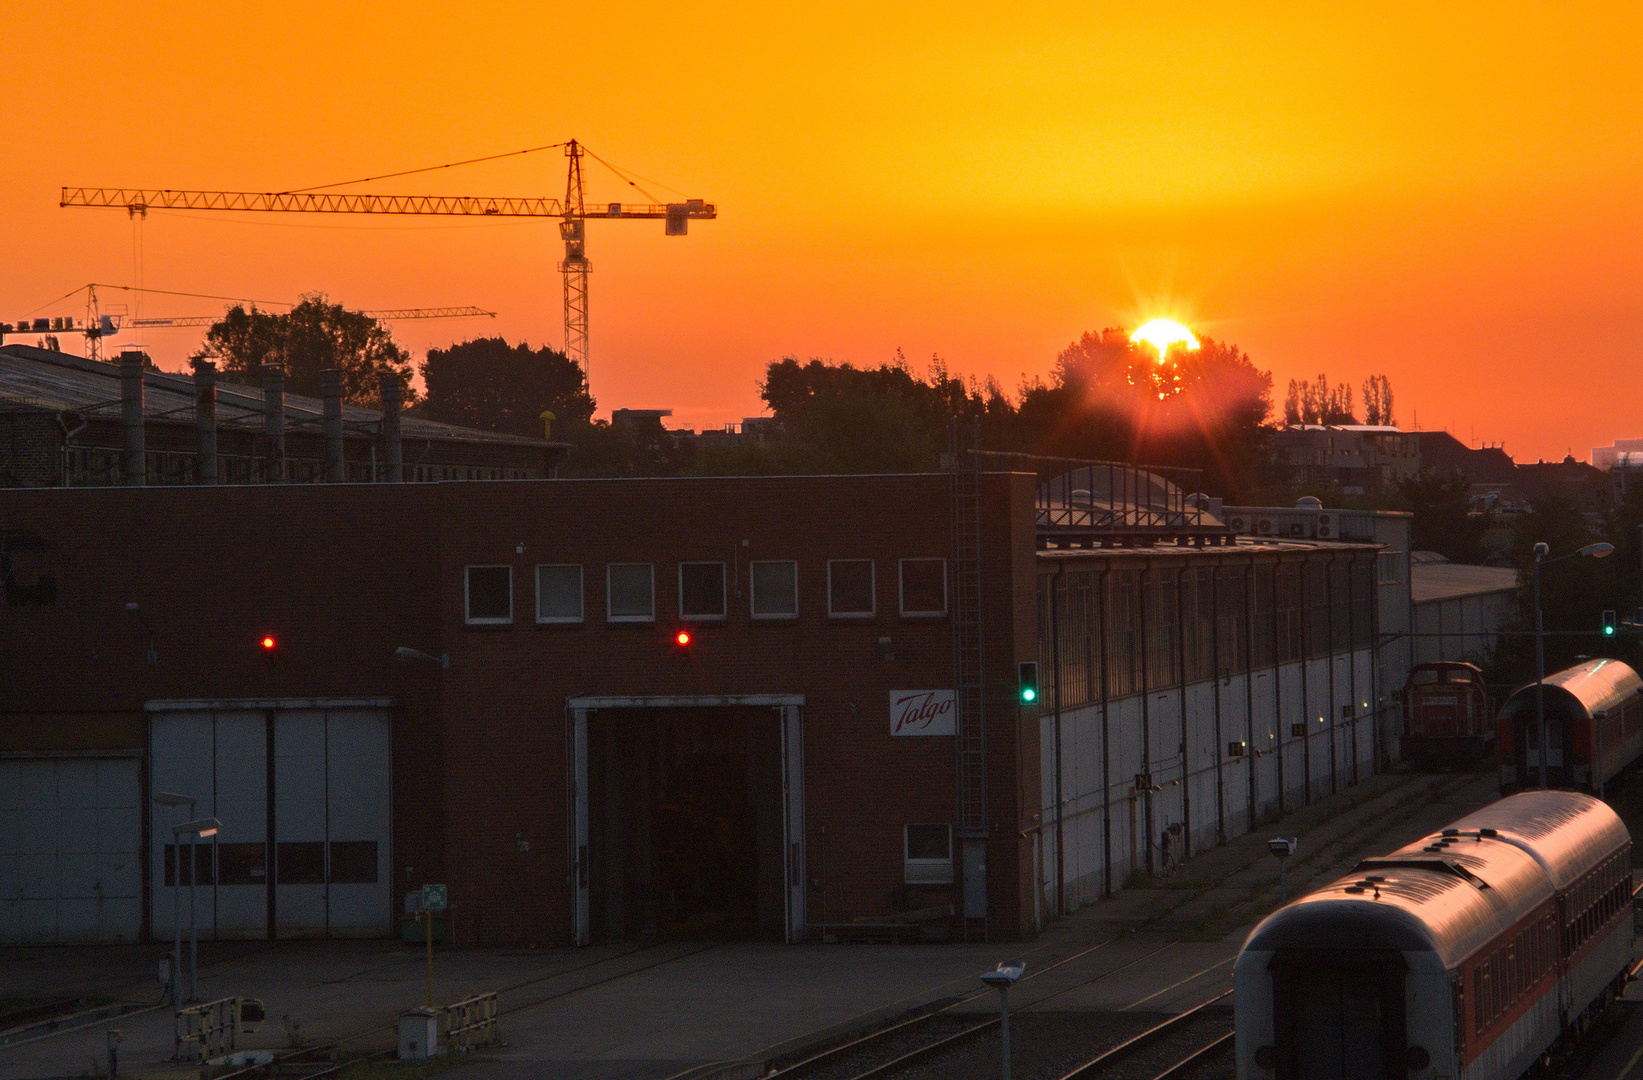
column 573, row 214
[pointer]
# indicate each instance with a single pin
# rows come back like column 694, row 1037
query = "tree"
column 311, row 337
column 1377, row 400
column 487, row 383
column 1443, row 521
column 1110, row 399
column 1319, row 403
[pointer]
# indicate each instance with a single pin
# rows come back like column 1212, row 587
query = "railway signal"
column 1609, row 623
column 1027, row 682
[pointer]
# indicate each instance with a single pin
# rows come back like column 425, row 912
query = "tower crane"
column 99, row 324
column 573, row 212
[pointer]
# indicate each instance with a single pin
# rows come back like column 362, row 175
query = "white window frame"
column 873, row 588
column 724, row 592
column 901, row 583
column 467, row 597
column 926, row 871
column 753, row 590
column 581, row 596
column 609, row 617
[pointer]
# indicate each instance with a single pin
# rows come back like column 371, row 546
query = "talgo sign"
column 923, row 712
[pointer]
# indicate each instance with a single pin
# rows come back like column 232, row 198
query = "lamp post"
column 1591, row 551
column 195, row 830
column 166, row 798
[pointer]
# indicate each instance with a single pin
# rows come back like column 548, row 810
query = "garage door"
column 69, row 834
column 304, row 798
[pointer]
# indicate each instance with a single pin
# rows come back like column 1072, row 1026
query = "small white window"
column 630, row 592
column 1388, row 565
column 923, row 587
column 851, row 591
column 559, row 593
column 488, row 595
column 701, row 591
column 775, row 585
column 927, row 854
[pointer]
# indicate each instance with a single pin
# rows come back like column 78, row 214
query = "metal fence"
column 470, row 1023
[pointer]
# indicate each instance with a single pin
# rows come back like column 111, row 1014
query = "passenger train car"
column 1463, row 957
column 1594, row 728
column 1447, row 707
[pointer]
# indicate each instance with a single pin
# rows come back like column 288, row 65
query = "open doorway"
column 685, row 822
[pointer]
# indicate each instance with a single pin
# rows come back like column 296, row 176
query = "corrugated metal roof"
column 55, row 381
column 1429, row 582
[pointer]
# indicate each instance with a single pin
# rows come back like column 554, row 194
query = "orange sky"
column 1445, row 193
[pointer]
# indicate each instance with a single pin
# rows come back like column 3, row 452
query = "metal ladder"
column 971, row 726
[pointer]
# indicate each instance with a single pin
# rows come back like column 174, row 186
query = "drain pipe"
column 273, row 419
column 393, row 397
column 1056, row 587
column 205, row 419
column 330, row 392
column 67, row 436
column 134, row 463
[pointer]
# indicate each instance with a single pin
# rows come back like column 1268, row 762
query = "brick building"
column 481, row 684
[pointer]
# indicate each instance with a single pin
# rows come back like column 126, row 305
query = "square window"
column 353, row 862
column 300, row 863
column 924, row 587
column 701, row 590
column 488, row 591
column 559, row 594
column 243, row 864
column 775, row 588
column 927, row 854
column 850, row 592
column 630, row 590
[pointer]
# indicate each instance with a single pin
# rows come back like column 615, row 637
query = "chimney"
column 273, row 419
column 134, row 466
column 330, row 392
column 205, row 419
column 393, row 396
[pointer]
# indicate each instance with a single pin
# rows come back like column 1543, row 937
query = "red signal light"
column 682, row 639
column 268, row 643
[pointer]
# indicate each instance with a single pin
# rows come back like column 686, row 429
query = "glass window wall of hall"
column 1151, row 628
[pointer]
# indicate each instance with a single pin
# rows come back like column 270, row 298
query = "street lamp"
column 195, row 830
column 1591, row 551
column 166, row 798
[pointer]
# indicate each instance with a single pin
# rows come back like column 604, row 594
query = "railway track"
column 910, row 1043
column 1183, row 1041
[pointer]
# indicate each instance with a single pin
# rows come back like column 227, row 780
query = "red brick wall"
column 341, row 575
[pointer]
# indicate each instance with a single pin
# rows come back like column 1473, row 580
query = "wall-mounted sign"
column 923, row 712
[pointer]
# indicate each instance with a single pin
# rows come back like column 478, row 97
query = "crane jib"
column 142, row 199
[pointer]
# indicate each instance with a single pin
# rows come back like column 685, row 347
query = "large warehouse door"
column 687, row 817
column 69, row 869
column 304, row 796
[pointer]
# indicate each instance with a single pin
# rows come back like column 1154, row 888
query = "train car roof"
column 1567, row 832
column 1594, row 685
column 1455, row 890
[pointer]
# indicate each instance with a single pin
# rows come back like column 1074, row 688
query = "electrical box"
column 418, row 1035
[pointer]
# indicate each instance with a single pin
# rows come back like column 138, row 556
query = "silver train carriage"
column 1594, row 728
column 1462, row 957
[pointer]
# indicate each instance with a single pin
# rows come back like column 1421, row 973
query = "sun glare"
column 1162, row 333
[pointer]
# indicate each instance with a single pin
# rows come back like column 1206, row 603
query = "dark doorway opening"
column 685, row 823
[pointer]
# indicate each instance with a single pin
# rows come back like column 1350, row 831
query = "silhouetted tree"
column 306, row 340
column 487, row 383
column 1443, row 522
column 1377, row 400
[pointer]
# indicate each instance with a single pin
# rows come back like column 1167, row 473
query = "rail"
column 1152, row 1034
column 212, row 1028
column 471, row 1023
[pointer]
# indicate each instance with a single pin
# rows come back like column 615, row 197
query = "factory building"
column 66, row 421
column 781, row 707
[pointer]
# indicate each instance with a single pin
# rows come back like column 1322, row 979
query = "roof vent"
column 1354, row 889
column 1488, row 834
column 1309, row 502
column 1450, row 832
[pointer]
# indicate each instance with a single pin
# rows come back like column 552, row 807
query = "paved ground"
column 628, row 1012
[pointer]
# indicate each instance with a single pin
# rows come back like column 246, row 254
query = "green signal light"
column 1028, row 694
